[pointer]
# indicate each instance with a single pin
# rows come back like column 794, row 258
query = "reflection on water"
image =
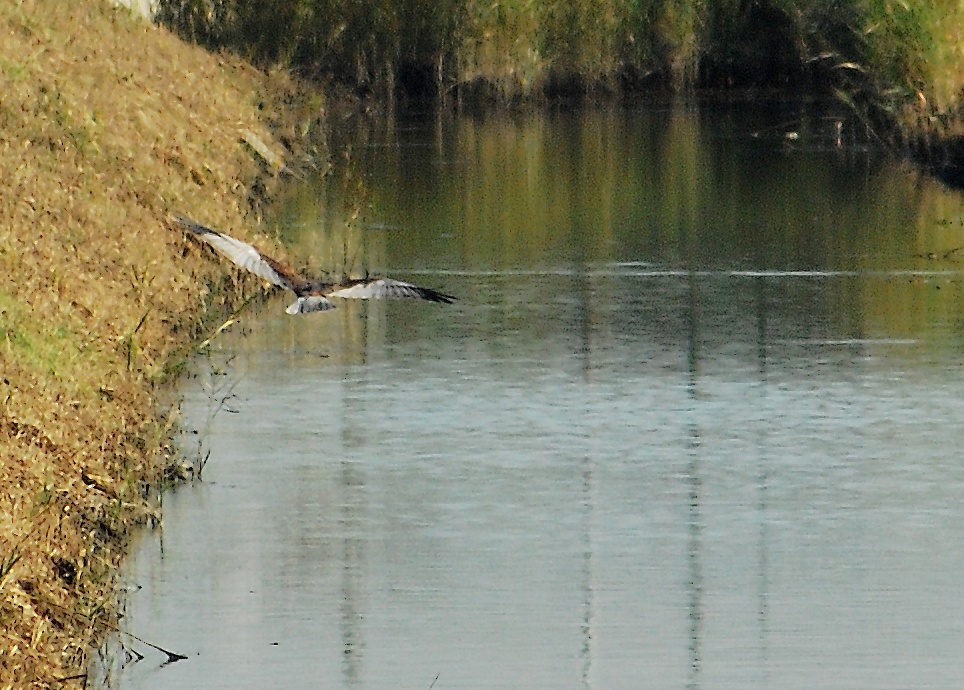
column 691, row 424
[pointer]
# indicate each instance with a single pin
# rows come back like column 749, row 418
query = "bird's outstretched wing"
column 386, row 288
column 242, row 254
column 312, row 295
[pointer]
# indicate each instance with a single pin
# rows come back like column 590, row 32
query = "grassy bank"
column 106, row 124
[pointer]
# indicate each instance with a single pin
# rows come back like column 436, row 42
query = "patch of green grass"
column 54, row 349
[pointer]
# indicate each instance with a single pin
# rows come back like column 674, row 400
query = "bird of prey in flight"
column 313, row 295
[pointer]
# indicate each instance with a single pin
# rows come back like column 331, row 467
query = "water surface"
column 693, row 422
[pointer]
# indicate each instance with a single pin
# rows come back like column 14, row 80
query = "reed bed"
column 107, row 124
column 904, row 61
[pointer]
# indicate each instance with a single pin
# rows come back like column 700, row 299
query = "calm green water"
column 694, row 422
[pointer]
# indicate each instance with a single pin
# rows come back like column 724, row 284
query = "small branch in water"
column 434, row 681
column 171, row 656
column 201, row 461
column 220, row 394
column 132, row 655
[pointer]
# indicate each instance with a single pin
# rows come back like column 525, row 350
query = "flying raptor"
column 313, row 295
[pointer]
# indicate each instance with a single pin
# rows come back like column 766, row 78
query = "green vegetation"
column 898, row 64
column 898, row 60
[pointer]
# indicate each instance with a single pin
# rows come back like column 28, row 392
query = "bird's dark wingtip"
column 440, row 297
column 188, row 224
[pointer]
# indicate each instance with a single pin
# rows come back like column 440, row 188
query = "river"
column 692, row 422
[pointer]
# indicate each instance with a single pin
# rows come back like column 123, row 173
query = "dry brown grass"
column 106, row 125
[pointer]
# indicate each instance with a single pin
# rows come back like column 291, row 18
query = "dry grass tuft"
column 106, row 125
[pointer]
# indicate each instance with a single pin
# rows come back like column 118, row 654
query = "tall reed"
column 905, row 57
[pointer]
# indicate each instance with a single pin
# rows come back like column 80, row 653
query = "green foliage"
column 517, row 48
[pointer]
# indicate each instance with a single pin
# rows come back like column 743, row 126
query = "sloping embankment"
column 106, row 124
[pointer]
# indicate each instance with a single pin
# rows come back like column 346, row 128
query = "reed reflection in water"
column 690, row 425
